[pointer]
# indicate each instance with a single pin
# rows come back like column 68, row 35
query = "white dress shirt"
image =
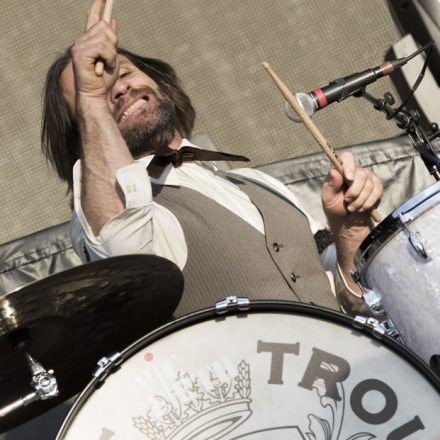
column 146, row 227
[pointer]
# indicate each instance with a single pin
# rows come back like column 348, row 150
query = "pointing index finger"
column 95, row 13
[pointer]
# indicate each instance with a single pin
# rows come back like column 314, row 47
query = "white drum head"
column 260, row 375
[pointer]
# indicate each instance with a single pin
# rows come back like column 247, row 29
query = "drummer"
column 236, row 233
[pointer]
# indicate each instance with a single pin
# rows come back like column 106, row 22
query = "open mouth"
column 141, row 102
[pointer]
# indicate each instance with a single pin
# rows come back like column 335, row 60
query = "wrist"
column 352, row 224
column 85, row 101
column 348, row 233
column 96, row 123
column 91, row 108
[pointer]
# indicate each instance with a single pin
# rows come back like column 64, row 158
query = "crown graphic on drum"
column 202, row 409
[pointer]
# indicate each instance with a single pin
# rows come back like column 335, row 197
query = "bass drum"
column 276, row 371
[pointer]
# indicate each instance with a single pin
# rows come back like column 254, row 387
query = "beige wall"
column 217, row 48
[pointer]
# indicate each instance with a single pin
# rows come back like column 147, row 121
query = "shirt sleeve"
column 143, row 227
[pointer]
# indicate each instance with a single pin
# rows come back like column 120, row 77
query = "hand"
column 346, row 201
column 356, row 192
column 99, row 41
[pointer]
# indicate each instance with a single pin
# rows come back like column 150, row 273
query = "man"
column 230, row 234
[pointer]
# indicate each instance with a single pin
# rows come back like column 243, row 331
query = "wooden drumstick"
column 106, row 16
column 334, row 159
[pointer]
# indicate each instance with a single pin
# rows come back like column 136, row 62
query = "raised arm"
column 103, row 149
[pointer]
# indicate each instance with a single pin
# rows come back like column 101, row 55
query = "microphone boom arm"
column 409, row 120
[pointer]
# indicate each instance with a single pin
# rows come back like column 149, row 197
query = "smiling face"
column 144, row 115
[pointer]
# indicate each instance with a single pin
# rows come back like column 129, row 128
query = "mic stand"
column 409, row 120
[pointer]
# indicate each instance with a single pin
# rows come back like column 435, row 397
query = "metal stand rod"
column 409, row 121
column 19, row 403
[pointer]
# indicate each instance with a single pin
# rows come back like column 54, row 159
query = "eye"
column 123, row 74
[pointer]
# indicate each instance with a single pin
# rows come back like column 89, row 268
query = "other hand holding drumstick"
column 349, row 193
column 103, row 148
column 361, row 194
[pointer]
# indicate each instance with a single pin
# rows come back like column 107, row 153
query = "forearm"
column 349, row 232
column 104, row 151
column 347, row 198
column 141, row 229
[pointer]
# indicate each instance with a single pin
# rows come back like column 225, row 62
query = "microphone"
column 340, row 89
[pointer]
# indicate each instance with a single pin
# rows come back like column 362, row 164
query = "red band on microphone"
column 322, row 100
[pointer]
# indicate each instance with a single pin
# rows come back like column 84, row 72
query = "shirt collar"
column 169, row 177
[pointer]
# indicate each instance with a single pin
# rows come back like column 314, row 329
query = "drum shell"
column 408, row 283
column 271, row 410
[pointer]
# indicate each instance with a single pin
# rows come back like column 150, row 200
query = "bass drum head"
column 279, row 371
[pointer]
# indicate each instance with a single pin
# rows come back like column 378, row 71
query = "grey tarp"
column 45, row 252
column 394, row 160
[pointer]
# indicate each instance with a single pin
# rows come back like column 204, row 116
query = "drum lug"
column 364, row 322
column 378, row 329
column 232, row 303
column 355, row 276
column 416, row 242
column 106, row 365
column 391, row 330
column 370, row 297
column 372, row 300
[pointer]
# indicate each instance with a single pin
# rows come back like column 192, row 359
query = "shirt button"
column 294, row 277
column 276, row 247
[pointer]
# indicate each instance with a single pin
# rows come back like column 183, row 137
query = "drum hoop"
column 392, row 225
column 257, row 306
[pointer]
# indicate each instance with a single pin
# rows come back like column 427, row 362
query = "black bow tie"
column 186, row 154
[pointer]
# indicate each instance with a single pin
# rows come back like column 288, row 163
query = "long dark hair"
column 60, row 140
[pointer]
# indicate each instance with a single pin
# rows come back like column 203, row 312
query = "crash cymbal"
column 70, row 320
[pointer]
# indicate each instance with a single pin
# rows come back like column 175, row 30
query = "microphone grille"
column 306, row 102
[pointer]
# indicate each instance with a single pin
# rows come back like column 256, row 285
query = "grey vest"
column 227, row 256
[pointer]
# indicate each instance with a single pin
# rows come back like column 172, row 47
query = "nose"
column 119, row 89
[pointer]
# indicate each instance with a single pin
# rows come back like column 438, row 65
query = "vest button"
column 276, row 247
column 294, row 277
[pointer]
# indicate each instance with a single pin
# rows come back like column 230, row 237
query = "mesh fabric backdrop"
column 217, row 48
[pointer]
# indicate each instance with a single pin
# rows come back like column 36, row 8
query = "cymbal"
column 70, row 320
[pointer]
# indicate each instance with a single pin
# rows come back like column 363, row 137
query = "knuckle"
column 377, row 182
column 362, row 173
column 347, row 158
column 75, row 49
column 110, row 34
column 370, row 203
column 101, row 47
column 356, row 205
column 369, row 185
column 76, row 43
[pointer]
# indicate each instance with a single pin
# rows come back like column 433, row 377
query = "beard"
column 154, row 130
